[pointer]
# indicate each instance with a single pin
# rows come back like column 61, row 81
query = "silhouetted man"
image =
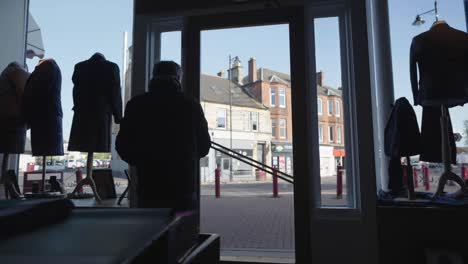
column 164, row 134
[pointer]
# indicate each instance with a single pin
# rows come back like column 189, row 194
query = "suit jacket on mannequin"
column 96, row 97
column 13, row 131
column 42, row 109
column 441, row 55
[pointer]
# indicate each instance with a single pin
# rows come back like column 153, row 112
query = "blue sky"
column 73, row 30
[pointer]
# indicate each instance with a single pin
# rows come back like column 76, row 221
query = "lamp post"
column 230, row 118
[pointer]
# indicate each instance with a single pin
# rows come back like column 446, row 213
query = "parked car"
column 54, row 165
column 73, row 164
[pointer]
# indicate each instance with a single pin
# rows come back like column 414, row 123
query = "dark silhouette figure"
column 42, row 109
column 96, row 98
column 163, row 134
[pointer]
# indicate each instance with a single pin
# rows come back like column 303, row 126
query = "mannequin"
column 42, row 110
column 441, row 56
column 13, row 132
column 96, row 97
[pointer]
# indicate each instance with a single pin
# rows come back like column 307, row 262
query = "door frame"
column 191, row 37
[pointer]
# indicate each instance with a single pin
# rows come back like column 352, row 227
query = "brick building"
column 273, row 89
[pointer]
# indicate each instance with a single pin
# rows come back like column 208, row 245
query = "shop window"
column 334, row 157
column 402, row 35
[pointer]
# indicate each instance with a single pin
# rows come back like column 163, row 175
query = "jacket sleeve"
column 116, row 95
column 75, row 81
column 123, row 142
column 413, row 72
column 203, row 136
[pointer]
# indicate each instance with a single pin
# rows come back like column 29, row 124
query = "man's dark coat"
column 163, row 134
column 96, row 97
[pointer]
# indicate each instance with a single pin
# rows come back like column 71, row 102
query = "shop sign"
column 279, row 147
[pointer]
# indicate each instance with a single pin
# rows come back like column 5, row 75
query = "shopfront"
column 282, row 156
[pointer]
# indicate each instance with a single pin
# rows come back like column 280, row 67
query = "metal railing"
column 254, row 163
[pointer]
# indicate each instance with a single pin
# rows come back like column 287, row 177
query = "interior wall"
column 13, row 26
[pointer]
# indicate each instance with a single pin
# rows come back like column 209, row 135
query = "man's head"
column 167, row 70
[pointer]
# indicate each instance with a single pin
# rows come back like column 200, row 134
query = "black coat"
column 402, row 137
column 42, row 109
column 13, row 132
column 441, row 55
column 163, row 134
column 96, row 97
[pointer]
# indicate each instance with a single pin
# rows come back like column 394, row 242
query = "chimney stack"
column 252, row 70
column 320, row 78
column 221, row 74
column 235, row 73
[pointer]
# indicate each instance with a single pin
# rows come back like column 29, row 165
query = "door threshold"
column 253, row 255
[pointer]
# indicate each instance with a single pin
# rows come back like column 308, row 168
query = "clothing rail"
column 253, row 163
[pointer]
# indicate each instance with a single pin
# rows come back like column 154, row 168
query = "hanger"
column 436, row 12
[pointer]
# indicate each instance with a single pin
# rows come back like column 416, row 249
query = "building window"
column 330, row 133
column 330, row 107
column 282, row 125
column 321, row 133
column 247, row 121
column 273, row 128
column 337, row 108
column 272, row 96
column 221, row 118
column 254, row 121
column 282, row 98
column 319, row 106
column 338, row 134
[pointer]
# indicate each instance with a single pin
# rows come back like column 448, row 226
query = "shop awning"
column 339, row 153
column 34, row 44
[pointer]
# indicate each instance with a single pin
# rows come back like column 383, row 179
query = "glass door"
column 242, row 73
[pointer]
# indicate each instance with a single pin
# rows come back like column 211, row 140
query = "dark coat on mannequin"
column 13, row 133
column 96, row 97
column 166, row 147
column 42, row 109
column 441, row 56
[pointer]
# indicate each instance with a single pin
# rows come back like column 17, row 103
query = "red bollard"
column 217, row 182
column 464, row 172
column 79, row 177
column 427, row 185
column 275, row 182
column 339, row 182
column 415, row 176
